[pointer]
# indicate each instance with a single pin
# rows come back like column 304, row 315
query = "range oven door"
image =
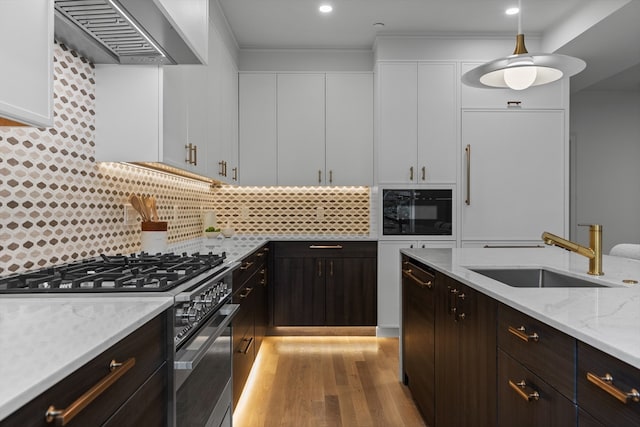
column 202, row 373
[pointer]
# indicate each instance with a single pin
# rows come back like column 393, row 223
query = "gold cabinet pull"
column 452, row 302
column 62, row 416
column 188, row 160
column 408, row 273
column 221, row 168
column 411, row 173
column 247, row 347
column 424, row 173
column 521, row 332
column 235, row 174
column 195, row 155
column 606, row 383
column 330, row 176
column 224, row 166
column 468, row 152
column 245, row 293
column 520, row 387
column 319, row 176
column 246, row 265
column 325, row 246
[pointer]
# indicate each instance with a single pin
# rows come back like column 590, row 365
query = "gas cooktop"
column 120, row 273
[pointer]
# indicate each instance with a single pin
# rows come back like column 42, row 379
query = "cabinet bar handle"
column 331, row 268
column 319, row 268
column 62, row 416
column 330, row 177
column 246, row 265
column 325, row 247
column 188, row 148
column 468, row 152
column 606, row 384
column 424, row 173
column 245, row 293
column 452, row 305
column 221, row 168
column 248, row 346
column 411, row 173
column 519, row 388
column 195, row 155
column 408, row 273
column 225, row 167
column 319, row 177
column 521, row 332
column 235, row 173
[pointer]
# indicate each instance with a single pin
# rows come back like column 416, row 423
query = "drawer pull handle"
column 248, row 346
column 408, row 273
column 606, row 384
column 520, row 387
column 245, row 293
column 521, row 333
column 246, row 265
column 325, row 247
column 62, row 416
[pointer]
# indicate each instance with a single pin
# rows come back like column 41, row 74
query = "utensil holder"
column 153, row 238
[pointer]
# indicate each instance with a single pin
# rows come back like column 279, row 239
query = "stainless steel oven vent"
column 121, row 32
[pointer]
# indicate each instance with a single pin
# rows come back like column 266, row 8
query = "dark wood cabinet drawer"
column 148, row 346
column 520, row 407
column 249, row 266
column 602, row 405
column 544, row 350
column 325, row 249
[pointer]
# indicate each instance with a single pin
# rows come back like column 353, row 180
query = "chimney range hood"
column 121, row 32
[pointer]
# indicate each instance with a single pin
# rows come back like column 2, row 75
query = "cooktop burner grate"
column 119, row 273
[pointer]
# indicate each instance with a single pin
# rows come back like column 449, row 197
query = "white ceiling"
column 610, row 47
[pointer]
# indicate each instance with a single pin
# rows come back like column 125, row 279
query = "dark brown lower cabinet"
column 324, row 284
column 465, row 355
column 418, row 336
column 525, row 400
column 139, row 397
column 605, row 388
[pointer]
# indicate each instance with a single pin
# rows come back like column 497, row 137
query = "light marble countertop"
column 606, row 318
column 44, row 339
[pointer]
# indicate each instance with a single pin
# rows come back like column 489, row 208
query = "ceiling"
column 297, row 24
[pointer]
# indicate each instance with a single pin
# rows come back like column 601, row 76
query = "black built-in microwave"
column 417, row 212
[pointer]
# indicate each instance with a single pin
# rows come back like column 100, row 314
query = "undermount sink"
column 535, row 278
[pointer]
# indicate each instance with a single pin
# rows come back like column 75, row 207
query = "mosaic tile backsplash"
column 58, row 205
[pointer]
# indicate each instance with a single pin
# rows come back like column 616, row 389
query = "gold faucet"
column 594, row 252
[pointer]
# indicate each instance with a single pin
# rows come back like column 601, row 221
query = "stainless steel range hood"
column 120, row 32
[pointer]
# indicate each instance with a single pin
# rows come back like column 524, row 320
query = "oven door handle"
column 188, row 359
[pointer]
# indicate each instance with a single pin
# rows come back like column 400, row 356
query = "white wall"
column 606, row 188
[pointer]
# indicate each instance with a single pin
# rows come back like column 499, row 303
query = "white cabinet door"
column 301, row 131
column 349, row 129
column 26, row 73
column 175, row 118
column 518, row 174
column 551, row 95
column 397, row 122
column 437, row 123
column 258, row 136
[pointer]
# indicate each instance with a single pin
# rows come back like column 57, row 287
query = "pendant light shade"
column 523, row 69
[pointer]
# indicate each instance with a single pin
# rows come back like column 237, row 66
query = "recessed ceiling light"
column 325, row 8
column 512, row 11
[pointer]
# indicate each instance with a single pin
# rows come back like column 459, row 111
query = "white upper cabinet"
column 26, row 73
column 515, row 175
column 190, row 19
column 397, row 122
column 551, row 95
column 349, row 129
column 301, row 129
column 417, row 123
column 258, row 133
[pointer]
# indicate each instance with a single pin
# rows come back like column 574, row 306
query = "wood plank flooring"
column 326, row 381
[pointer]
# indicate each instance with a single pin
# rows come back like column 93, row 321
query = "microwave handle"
column 468, row 153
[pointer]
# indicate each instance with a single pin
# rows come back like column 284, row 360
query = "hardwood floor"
column 326, row 381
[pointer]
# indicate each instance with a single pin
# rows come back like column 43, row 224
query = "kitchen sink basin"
column 535, row 278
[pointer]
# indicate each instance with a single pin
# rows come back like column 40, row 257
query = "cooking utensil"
column 138, row 205
column 148, row 204
column 154, row 209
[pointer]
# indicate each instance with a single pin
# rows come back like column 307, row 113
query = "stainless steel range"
column 201, row 286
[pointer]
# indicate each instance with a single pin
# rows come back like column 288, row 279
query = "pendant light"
column 523, row 69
